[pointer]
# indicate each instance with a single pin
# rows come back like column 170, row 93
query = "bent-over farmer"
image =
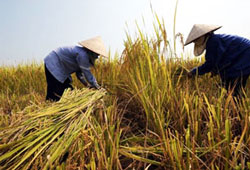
column 226, row 55
column 63, row 61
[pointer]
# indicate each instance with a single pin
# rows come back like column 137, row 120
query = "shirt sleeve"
column 81, row 77
column 204, row 68
column 84, row 64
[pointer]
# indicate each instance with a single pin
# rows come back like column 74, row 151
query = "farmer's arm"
column 85, row 65
column 204, row 68
column 81, row 77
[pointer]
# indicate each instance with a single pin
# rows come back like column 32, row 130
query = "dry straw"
column 48, row 131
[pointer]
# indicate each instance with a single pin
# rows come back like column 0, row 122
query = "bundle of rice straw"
column 47, row 131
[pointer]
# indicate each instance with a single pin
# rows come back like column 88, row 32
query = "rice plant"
column 151, row 116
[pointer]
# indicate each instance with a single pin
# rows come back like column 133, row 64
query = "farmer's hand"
column 102, row 89
column 97, row 87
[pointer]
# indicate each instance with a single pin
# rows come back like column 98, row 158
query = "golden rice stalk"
column 48, row 131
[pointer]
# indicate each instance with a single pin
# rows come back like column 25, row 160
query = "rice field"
column 151, row 116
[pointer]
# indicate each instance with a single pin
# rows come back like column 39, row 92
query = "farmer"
column 63, row 61
column 226, row 55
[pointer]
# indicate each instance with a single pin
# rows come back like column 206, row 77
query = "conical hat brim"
column 96, row 45
column 199, row 30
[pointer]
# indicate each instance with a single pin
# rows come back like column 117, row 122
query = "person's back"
column 63, row 61
column 230, row 54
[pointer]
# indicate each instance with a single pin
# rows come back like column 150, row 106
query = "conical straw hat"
column 199, row 30
column 96, row 45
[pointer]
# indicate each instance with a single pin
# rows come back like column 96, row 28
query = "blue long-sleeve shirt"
column 64, row 61
column 226, row 55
